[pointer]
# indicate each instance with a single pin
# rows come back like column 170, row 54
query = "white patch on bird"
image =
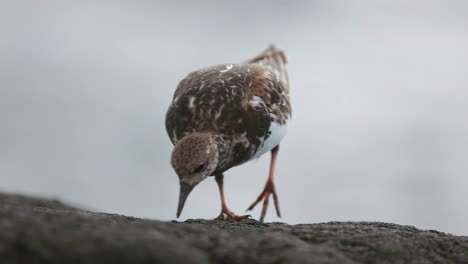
column 277, row 133
column 217, row 115
column 190, row 102
column 256, row 101
column 174, row 137
column 220, row 111
column 228, row 67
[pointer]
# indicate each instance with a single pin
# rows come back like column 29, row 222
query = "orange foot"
column 226, row 215
column 265, row 196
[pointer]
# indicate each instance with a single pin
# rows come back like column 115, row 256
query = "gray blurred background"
column 379, row 93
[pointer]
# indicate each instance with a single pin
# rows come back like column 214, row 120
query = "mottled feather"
column 235, row 102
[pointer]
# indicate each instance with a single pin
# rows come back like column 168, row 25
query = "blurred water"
column 379, row 93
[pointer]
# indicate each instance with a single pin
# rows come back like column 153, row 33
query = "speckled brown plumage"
column 235, row 102
column 225, row 115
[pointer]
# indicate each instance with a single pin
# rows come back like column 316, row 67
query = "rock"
column 36, row 230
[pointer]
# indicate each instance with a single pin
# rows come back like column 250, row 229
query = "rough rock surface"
column 46, row 231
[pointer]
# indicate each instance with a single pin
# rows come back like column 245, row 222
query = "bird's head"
column 194, row 158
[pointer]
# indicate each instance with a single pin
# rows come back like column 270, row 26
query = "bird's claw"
column 229, row 215
column 265, row 196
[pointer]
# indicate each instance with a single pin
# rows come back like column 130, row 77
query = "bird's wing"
column 240, row 100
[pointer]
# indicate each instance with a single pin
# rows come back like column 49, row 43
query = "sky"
column 378, row 90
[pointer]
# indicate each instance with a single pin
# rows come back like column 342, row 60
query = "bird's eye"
column 200, row 168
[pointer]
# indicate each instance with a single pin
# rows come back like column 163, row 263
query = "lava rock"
column 34, row 230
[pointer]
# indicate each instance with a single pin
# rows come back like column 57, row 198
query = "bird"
column 226, row 115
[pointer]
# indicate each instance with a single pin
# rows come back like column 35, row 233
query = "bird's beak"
column 185, row 190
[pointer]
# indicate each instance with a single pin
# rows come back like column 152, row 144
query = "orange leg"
column 225, row 212
column 269, row 188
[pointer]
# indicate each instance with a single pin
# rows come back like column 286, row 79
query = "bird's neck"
column 228, row 156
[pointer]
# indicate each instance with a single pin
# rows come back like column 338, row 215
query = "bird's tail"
column 275, row 59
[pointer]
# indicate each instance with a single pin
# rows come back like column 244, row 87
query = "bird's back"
column 237, row 102
column 275, row 60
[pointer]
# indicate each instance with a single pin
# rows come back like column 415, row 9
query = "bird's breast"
column 276, row 133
